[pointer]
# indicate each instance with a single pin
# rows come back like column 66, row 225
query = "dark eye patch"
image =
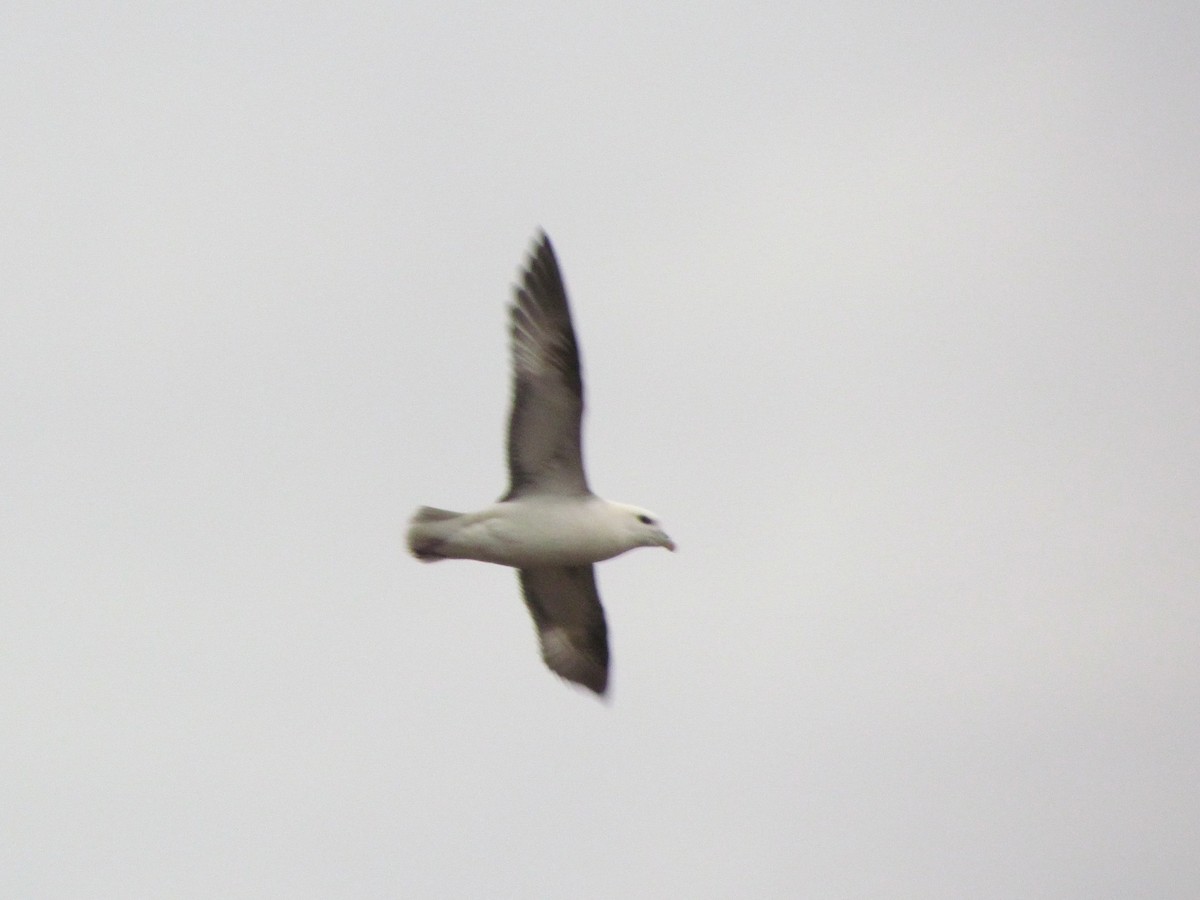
column 645, row 520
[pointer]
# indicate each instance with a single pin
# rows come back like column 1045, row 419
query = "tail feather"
column 428, row 530
column 433, row 514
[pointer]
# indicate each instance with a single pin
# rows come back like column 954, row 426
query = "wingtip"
column 581, row 679
column 599, row 686
column 598, row 689
column 572, row 662
column 542, row 244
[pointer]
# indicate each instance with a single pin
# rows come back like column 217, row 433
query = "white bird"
column 549, row 525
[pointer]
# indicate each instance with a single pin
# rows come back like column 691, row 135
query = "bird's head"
column 644, row 528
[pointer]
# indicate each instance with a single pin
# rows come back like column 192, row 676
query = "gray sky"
column 890, row 311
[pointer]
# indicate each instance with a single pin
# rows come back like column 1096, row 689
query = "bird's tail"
column 428, row 530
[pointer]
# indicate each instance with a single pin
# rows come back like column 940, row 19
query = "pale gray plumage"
column 545, row 453
column 548, row 525
column 566, row 609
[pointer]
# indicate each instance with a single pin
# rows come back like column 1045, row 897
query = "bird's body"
column 541, row 530
column 549, row 525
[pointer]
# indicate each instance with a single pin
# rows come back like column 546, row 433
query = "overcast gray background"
column 890, row 310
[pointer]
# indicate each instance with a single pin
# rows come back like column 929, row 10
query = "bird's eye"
column 645, row 520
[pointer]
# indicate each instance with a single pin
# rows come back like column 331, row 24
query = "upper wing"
column 570, row 622
column 544, row 440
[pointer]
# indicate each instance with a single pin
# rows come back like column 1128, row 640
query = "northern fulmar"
column 549, row 525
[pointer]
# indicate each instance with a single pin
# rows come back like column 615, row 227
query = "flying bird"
column 549, row 525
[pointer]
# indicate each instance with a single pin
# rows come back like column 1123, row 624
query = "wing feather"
column 566, row 609
column 545, row 452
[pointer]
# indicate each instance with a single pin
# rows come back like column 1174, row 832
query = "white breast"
column 543, row 532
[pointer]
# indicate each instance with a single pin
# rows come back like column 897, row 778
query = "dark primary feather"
column 565, row 606
column 544, row 427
